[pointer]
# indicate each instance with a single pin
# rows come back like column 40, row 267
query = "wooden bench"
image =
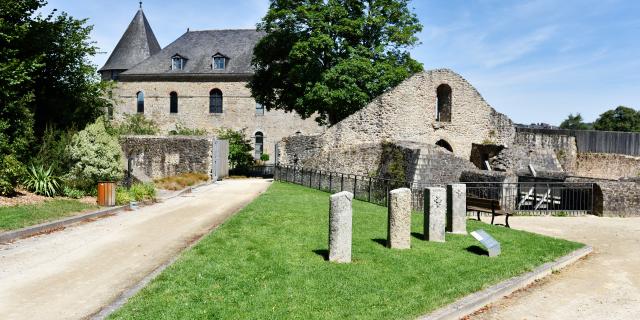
column 488, row 205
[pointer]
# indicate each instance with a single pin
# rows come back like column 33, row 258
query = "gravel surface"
column 73, row 273
column 605, row 285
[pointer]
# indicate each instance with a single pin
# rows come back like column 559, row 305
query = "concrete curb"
column 49, row 226
column 476, row 301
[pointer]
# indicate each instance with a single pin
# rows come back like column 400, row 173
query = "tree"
column 575, row 123
column 330, row 58
column 239, row 148
column 45, row 76
column 619, row 119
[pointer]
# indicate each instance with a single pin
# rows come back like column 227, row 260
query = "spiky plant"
column 41, row 181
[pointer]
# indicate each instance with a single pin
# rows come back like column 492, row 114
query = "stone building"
column 198, row 81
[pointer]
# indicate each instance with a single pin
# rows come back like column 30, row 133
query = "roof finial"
column 140, row 4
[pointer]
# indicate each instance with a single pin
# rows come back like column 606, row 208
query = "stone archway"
column 444, row 144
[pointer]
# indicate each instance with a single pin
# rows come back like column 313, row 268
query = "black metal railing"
column 524, row 197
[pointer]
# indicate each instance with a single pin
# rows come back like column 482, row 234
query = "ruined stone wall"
column 159, row 157
column 547, row 147
column 298, row 147
column 239, row 110
column 408, row 113
column 362, row 159
column 607, row 166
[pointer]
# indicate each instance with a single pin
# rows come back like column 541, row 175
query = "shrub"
column 10, row 172
column 52, row 151
column 96, row 156
column 73, row 193
column 239, row 148
column 135, row 124
column 122, row 196
column 264, row 157
column 142, row 191
column 184, row 131
column 181, row 181
column 41, row 181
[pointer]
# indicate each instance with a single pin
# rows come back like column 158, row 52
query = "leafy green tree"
column 575, row 123
column 239, row 147
column 619, row 119
column 330, row 58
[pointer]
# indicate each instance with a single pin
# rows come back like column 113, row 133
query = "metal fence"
column 523, row 197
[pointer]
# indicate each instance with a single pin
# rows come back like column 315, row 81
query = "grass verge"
column 17, row 217
column 267, row 262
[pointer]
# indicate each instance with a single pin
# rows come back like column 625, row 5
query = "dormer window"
column 219, row 61
column 177, row 62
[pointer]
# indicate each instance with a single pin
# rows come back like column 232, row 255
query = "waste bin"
column 106, row 194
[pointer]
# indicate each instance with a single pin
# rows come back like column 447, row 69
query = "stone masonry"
column 457, row 208
column 239, row 110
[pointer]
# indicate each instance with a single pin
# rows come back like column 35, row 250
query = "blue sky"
column 535, row 61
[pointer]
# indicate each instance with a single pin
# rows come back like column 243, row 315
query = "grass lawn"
column 17, row 217
column 267, row 263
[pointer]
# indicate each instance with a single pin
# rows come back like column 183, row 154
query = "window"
column 140, row 101
column 443, row 111
column 215, row 101
column 219, row 63
column 259, row 143
column 259, row 109
column 177, row 62
column 173, row 102
column 115, row 75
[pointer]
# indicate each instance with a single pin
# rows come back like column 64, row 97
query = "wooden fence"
column 597, row 141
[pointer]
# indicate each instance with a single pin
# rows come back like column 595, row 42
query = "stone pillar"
column 340, row 214
column 399, row 225
column 434, row 214
column 457, row 208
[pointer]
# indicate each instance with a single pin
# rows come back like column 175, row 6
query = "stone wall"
column 300, row 147
column 607, row 166
column 159, row 157
column 239, row 110
column 561, row 147
column 408, row 113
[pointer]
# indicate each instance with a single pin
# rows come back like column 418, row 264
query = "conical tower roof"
column 137, row 44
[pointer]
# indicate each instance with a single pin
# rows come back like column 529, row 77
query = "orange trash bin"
column 106, row 194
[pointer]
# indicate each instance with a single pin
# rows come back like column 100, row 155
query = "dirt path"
column 73, row 273
column 606, row 285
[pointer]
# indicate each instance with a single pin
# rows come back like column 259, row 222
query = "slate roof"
column 137, row 44
column 199, row 47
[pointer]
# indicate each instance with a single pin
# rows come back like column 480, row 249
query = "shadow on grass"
column 417, row 235
column 382, row 242
column 477, row 250
column 324, row 253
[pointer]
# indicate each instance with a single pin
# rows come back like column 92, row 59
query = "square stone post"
column 399, row 224
column 434, row 214
column 457, row 208
column 340, row 228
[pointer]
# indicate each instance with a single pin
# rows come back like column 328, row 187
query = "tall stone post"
column 399, row 224
column 340, row 219
column 434, row 214
column 457, row 208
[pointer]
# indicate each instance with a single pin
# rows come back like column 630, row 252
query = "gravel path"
column 73, row 273
column 605, row 285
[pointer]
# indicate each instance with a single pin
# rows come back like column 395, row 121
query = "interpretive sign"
column 492, row 245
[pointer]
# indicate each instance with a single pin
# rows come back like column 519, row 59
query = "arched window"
column 443, row 111
column 259, row 144
column 444, row 144
column 173, row 102
column 140, row 101
column 215, row 101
